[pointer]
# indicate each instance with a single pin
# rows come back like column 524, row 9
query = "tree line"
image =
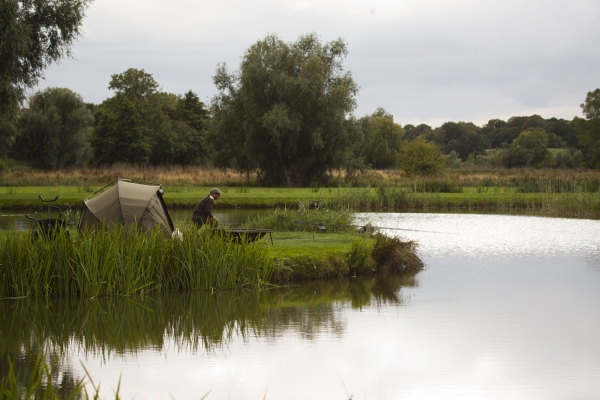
column 286, row 114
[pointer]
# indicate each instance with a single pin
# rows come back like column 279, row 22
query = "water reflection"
column 192, row 322
column 227, row 217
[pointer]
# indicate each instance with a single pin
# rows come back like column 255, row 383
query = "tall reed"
column 307, row 216
column 123, row 261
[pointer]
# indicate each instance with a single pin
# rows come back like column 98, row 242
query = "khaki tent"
column 127, row 203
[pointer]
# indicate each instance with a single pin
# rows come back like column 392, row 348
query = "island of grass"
column 124, row 261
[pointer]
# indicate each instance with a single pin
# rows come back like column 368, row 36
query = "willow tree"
column 33, row 34
column 284, row 113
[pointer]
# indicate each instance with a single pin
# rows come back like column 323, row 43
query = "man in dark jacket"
column 203, row 212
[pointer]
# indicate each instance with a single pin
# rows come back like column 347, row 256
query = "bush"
column 421, row 157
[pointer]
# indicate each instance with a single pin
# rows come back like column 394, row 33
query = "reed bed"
column 448, row 181
column 125, row 261
column 307, row 216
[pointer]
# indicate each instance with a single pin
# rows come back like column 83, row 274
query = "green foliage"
column 284, row 113
column 452, row 161
column 126, row 261
column 421, row 157
column 54, row 130
column 34, row 33
column 8, row 133
column 469, row 143
column 589, row 130
column 529, row 148
column 382, row 139
column 591, row 106
column 309, row 216
column 143, row 126
column 589, row 139
column 392, row 254
column 412, row 132
column 568, row 158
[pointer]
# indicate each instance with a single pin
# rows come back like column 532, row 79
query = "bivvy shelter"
column 126, row 202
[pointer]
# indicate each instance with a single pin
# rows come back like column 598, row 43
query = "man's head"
column 215, row 193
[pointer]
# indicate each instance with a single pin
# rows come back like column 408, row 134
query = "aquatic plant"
column 124, row 261
column 307, row 216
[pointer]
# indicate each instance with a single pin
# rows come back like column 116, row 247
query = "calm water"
column 507, row 308
column 227, row 217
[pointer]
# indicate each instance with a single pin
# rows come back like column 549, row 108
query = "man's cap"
column 215, row 191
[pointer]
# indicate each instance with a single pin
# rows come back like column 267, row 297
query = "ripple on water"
column 494, row 235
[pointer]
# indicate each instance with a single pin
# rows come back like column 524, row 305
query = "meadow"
column 557, row 192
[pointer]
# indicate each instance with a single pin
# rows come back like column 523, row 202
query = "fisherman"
column 203, row 212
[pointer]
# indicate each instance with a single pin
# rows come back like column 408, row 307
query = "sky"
column 423, row 61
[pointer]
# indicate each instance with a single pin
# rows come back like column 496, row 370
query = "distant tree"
column 563, row 129
column 8, row 133
column 33, row 34
column 491, row 125
column 141, row 125
column 417, row 131
column 285, row 112
column 437, row 136
column 591, row 106
column 54, row 130
column 535, row 121
column 555, row 142
column 453, row 131
column 469, row 143
column 568, row 159
column 135, row 84
column 529, row 148
column 382, row 139
column 453, row 161
column 499, row 132
column 126, row 121
column 121, row 135
column 589, row 130
column 421, row 157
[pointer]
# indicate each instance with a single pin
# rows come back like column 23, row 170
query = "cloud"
column 422, row 60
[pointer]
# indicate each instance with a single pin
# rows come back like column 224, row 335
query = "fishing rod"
column 321, row 227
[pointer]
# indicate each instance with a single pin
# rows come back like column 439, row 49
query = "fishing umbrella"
column 126, row 203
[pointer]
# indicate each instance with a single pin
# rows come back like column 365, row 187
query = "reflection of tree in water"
column 191, row 322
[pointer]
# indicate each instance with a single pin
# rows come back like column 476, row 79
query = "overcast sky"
column 424, row 61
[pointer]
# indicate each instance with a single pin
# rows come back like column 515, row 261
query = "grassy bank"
column 554, row 192
column 124, row 261
column 576, row 203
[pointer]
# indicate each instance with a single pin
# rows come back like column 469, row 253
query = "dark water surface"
column 507, row 308
column 226, row 217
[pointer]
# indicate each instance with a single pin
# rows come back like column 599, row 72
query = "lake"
column 508, row 307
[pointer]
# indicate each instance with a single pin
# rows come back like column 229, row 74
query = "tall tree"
column 8, row 133
column 285, row 112
column 382, row 139
column 589, row 129
column 54, row 130
column 469, row 143
column 125, row 124
column 591, row 106
column 33, row 34
column 142, row 125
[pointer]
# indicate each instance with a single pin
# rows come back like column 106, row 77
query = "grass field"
column 556, row 192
